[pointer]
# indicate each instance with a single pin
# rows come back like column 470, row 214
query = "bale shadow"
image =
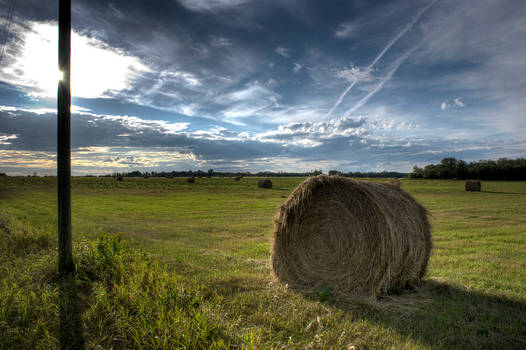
column 70, row 330
column 441, row 315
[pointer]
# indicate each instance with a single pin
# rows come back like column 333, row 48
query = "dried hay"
column 190, row 180
column 395, row 182
column 354, row 237
column 472, row 185
column 265, row 183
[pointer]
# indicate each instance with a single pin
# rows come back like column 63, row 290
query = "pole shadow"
column 70, row 330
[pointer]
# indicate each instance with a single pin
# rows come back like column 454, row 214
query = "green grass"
column 209, row 242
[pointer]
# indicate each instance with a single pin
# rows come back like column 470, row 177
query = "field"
column 211, row 240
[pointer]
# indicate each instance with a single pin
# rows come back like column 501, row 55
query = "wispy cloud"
column 211, row 5
column 458, row 102
column 282, row 51
column 380, row 55
column 345, row 30
column 354, row 74
column 380, row 85
column 296, row 68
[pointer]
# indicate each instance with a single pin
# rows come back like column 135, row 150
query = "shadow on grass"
column 70, row 332
column 497, row 192
column 440, row 315
column 234, row 285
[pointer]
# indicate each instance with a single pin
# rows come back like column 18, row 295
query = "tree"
column 448, row 168
column 417, row 173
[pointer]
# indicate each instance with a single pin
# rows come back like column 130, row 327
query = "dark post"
column 65, row 259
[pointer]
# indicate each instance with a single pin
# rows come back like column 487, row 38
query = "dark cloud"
column 336, row 142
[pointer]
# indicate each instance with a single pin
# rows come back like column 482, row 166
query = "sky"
column 265, row 85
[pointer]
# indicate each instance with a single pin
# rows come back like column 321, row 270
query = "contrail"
column 377, row 88
column 380, row 55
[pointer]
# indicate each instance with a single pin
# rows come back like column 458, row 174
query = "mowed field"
column 214, row 237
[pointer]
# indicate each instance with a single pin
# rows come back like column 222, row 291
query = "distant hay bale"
column 395, row 182
column 354, row 237
column 473, row 185
column 120, row 178
column 238, row 178
column 190, row 180
column 265, row 183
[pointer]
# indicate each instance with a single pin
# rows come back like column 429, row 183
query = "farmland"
column 212, row 239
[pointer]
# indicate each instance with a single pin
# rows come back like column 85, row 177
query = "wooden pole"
column 65, row 258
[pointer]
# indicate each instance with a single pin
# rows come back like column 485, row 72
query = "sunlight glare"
column 95, row 67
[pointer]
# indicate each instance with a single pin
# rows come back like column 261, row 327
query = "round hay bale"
column 354, row 237
column 237, row 178
column 472, row 185
column 265, row 183
column 190, row 180
column 120, row 178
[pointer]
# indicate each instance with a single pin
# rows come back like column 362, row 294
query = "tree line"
column 370, row 174
column 211, row 173
column 451, row 168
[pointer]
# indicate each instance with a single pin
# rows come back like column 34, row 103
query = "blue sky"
column 266, row 85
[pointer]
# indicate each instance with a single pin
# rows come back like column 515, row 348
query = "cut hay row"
column 473, row 185
column 354, row 237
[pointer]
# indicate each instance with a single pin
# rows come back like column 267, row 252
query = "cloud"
column 355, row 74
column 210, row 5
column 250, row 99
column 96, row 68
column 220, row 41
column 344, row 31
column 106, row 143
column 4, row 139
column 282, row 51
column 296, row 67
column 458, row 102
column 315, row 134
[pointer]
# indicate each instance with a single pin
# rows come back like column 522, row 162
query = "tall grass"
column 126, row 298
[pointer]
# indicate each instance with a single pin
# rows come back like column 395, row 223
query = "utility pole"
column 65, row 257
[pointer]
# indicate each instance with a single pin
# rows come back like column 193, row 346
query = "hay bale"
column 472, row 185
column 120, row 178
column 395, row 182
column 237, row 178
column 265, row 183
column 190, row 180
column 354, row 237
